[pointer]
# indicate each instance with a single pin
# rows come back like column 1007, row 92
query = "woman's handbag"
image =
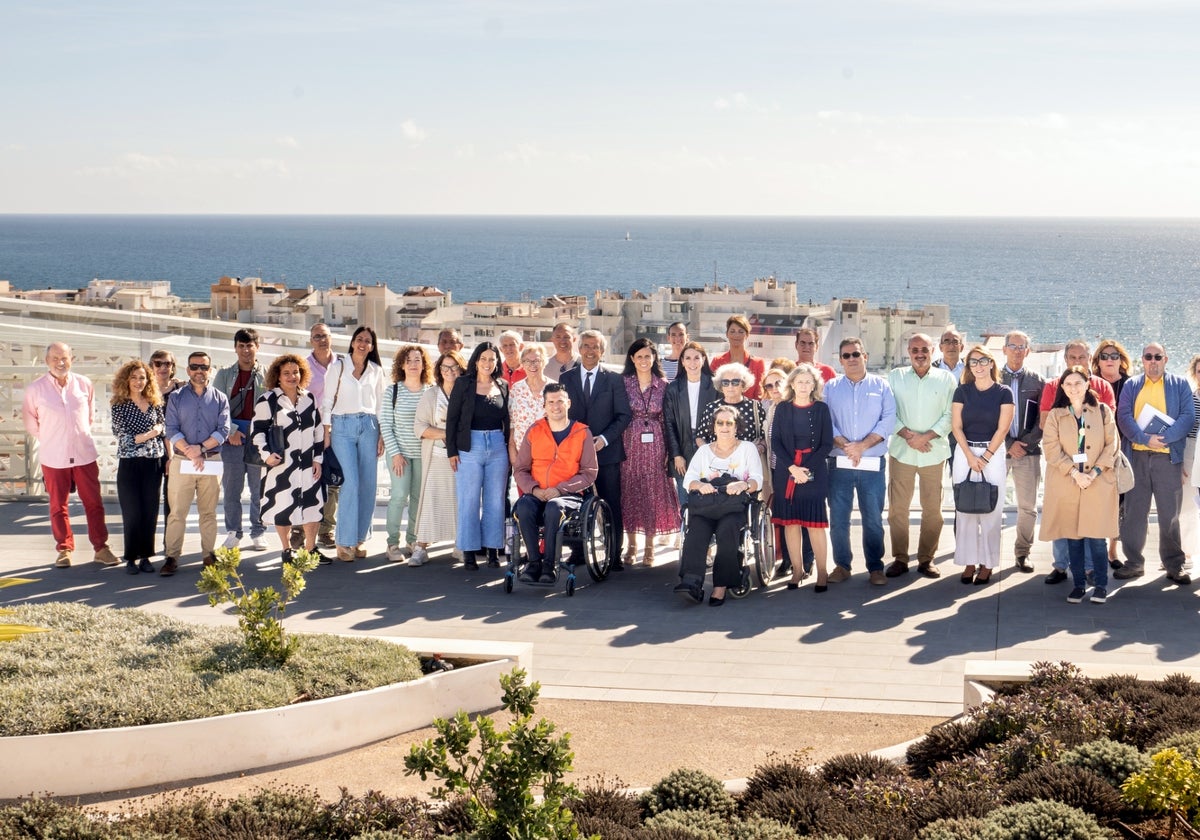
column 331, row 470
column 975, row 496
column 718, row 505
column 1124, row 471
column 276, row 445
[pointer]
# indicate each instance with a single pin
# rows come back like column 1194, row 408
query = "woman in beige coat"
column 1080, row 496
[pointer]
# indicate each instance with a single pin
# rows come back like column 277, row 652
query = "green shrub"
column 1075, row 786
column 358, row 816
column 801, row 808
column 946, row 742
column 689, row 790
column 779, row 774
column 978, row 775
column 755, row 827
column 950, row 803
column 953, row 828
column 845, row 770
column 1179, row 685
column 594, row 825
column 1042, row 820
column 1186, row 742
column 1169, row 784
column 1111, row 760
column 699, row 824
column 38, row 818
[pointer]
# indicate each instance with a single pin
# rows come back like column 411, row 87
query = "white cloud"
column 465, row 151
column 524, row 153
column 288, row 142
column 135, row 165
column 741, row 102
column 413, row 132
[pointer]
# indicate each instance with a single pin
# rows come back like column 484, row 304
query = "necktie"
column 587, row 386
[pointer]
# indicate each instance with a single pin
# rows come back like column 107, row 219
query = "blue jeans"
column 236, row 473
column 355, row 441
column 871, row 488
column 406, row 491
column 1094, row 547
column 480, row 482
column 1062, row 559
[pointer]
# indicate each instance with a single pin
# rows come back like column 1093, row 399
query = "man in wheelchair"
column 555, row 464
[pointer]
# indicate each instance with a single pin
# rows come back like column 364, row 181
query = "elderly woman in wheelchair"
column 722, row 481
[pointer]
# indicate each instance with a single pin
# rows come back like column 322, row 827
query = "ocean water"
column 1137, row 280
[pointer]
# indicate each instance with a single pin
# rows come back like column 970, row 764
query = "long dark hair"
column 705, row 370
column 1061, row 400
column 473, row 363
column 638, row 345
column 372, row 356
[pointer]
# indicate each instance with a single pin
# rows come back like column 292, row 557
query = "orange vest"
column 554, row 463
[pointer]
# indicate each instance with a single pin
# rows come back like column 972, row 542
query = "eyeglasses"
column 725, row 423
column 1109, row 357
column 979, row 361
column 197, row 367
column 162, row 363
column 322, row 337
column 728, row 383
column 1020, row 348
column 1153, row 357
column 531, row 360
column 951, row 341
column 771, row 386
column 448, row 368
column 853, row 355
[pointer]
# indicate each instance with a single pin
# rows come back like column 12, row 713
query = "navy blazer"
column 1179, row 405
column 606, row 413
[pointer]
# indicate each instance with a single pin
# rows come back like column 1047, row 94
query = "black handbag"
column 331, row 469
column 975, row 496
column 720, row 504
column 276, row 445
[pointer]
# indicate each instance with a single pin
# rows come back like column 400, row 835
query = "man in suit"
column 1024, row 440
column 598, row 400
column 1155, row 452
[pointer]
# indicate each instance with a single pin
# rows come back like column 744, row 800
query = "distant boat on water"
column 627, row 236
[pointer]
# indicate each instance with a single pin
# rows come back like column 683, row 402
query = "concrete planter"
column 97, row 761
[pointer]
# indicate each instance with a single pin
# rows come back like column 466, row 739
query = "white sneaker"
column 258, row 543
column 232, row 540
column 419, row 557
column 395, row 554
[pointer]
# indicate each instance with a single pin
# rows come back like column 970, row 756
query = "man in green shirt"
column 918, row 450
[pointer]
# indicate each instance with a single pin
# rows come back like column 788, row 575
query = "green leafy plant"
column 1171, row 783
column 260, row 611
column 501, row 776
column 689, row 790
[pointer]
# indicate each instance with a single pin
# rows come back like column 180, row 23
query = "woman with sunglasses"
column 1111, row 363
column 773, row 385
column 980, row 417
column 648, row 498
column 734, row 382
column 722, row 475
column 801, row 439
column 686, row 398
column 436, row 510
column 1079, row 443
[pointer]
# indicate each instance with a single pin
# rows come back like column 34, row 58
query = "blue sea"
column 1136, row 280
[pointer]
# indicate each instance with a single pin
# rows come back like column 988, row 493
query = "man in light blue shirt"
column 864, row 413
column 918, row 449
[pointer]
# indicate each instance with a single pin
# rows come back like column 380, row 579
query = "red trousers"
column 86, row 479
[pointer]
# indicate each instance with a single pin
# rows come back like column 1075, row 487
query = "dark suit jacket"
column 1027, row 408
column 461, row 410
column 607, row 413
column 681, row 437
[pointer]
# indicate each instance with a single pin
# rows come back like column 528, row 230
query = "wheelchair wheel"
column 597, row 534
column 764, row 549
column 744, row 585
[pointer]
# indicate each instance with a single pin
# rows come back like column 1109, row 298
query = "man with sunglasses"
column 864, row 413
column 951, row 346
column 1024, row 440
column 1155, row 414
column 197, row 425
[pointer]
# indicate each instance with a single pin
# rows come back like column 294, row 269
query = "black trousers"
column 727, row 567
column 532, row 512
column 139, row 482
column 608, row 488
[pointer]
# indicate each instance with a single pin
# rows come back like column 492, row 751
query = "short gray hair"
column 595, row 334
column 733, row 369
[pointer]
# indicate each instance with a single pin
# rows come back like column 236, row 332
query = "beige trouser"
column 901, row 481
column 1026, row 473
column 206, row 490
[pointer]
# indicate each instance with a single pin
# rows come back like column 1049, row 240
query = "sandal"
column 984, row 576
column 648, row 554
column 968, row 575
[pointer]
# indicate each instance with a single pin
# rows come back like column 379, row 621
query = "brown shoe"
column 105, row 557
column 169, row 567
column 359, row 551
column 210, row 559
column 929, row 570
column 839, row 574
column 345, row 554
column 878, row 579
column 63, row 561
column 898, row 567
column 326, row 541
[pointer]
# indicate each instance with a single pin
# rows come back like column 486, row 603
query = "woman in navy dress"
column 801, row 439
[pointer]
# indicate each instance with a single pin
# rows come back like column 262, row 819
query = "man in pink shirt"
column 58, row 412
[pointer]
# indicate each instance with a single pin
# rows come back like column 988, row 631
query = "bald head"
column 58, row 360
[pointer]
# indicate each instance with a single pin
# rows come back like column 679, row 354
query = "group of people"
column 663, row 441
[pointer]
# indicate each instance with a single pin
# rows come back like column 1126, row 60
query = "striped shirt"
column 396, row 417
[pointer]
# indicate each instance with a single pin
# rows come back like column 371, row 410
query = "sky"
column 760, row 107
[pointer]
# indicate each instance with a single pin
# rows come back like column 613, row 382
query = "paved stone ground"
column 897, row 649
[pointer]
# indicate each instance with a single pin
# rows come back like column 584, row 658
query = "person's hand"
column 236, row 438
column 379, row 448
column 976, row 462
column 316, row 472
column 399, row 462
column 922, row 442
column 274, row 460
column 453, row 463
column 1017, row 450
column 680, row 464
column 599, row 442
column 1157, row 442
column 706, row 489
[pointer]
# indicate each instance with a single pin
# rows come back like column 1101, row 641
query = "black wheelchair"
column 756, row 549
column 586, row 530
